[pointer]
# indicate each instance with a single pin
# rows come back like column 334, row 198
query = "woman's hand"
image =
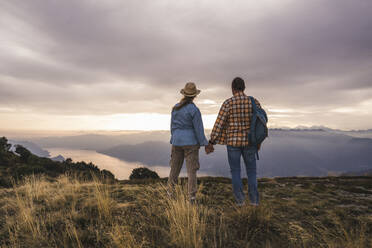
column 209, row 148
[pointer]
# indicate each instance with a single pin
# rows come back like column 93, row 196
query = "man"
column 232, row 128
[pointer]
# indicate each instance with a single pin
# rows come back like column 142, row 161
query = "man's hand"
column 259, row 147
column 209, row 148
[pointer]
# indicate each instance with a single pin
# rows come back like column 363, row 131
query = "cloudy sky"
column 119, row 64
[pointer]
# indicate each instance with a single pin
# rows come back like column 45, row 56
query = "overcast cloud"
column 308, row 62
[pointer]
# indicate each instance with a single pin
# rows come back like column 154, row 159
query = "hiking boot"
column 193, row 201
column 240, row 204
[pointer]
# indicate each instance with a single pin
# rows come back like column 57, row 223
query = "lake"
column 121, row 169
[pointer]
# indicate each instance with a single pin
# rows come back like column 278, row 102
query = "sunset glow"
column 60, row 69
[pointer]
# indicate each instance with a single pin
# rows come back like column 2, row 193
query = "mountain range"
column 317, row 151
column 284, row 153
column 35, row 149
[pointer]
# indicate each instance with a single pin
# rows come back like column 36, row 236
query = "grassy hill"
column 294, row 212
column 44, row 203
column 16, row 166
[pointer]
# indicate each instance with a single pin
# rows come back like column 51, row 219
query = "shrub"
column 23, row 152
column 4, row 146
column 143, row 173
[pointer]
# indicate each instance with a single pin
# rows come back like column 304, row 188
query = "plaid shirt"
column 233, row 121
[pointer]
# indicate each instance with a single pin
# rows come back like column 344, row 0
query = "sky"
column 120, row 64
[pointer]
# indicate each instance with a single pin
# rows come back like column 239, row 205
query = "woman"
column 187, row 135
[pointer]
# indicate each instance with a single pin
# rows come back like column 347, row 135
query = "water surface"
column 121, row 169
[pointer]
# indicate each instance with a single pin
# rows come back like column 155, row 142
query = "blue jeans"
column 234, row 154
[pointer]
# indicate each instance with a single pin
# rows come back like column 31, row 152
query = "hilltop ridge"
column 294, row 212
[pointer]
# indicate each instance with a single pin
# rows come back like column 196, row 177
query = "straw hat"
column 190, row 90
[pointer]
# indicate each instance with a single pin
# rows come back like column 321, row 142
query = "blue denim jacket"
column 187, row 127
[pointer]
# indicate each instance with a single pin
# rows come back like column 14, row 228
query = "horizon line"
column 325, row 128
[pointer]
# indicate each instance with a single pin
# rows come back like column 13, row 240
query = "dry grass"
column 105, row 203
column 69, row 213
column 345, row 235
column 121, row 237
column 45, row 214
column 187, row 222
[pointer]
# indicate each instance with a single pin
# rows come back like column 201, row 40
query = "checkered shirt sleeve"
column 218, row 135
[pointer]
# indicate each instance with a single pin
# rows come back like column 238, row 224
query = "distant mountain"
column 315, row 151
column 358, row 173
column 35, row 149
column 105, row 141
column 58, row 158
column 358, row 133
column 284, row 153
column 99, row 141
column 361, row 133
column 32, row 147
column 150, row 153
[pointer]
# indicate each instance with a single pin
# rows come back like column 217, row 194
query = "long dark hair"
column 184, row 101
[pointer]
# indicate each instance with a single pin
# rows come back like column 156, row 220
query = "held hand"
column 209, row 149
column 259, row 147
column 206, row 149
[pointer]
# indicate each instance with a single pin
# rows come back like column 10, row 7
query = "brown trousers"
column 191, row 155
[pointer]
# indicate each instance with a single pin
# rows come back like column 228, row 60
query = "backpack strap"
column 254, row 108
column 253, row 103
